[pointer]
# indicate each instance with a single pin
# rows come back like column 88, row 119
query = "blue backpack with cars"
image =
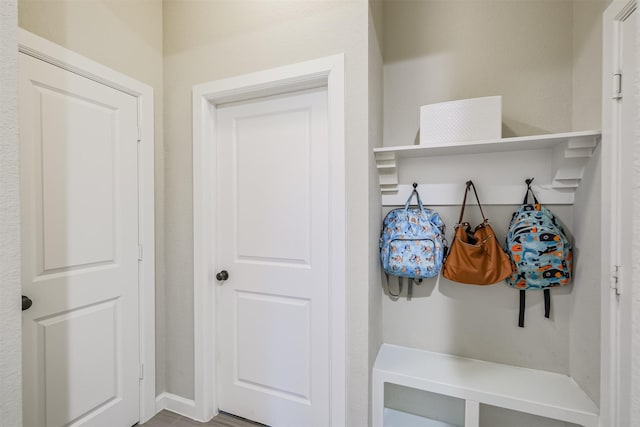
column 540, row 249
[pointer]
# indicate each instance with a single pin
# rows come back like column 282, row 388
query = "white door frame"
column 611, row 360
column 324, row 72
column 49, row 52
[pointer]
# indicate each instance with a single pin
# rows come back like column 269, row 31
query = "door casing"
column 613, row 363
column 49, row 52
column 324, row 72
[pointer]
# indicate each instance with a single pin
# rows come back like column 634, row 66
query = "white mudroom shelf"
column 569, row 154
column 542, row 393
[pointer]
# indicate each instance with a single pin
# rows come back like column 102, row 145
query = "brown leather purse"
column 476, row 257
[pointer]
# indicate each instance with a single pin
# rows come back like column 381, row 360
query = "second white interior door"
column 79, row 191
column 272, row 236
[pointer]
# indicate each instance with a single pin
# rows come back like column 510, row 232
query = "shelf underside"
column 568, row 155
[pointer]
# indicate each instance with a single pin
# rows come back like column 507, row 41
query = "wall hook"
column 415, row 185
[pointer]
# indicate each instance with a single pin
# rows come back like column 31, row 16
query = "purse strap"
column 529, row 190
column 464, row 202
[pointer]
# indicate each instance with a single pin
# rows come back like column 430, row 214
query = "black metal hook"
column 528, row 181
column 415, row 185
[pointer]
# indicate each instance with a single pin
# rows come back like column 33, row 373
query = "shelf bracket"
column 570, row 159
column 387, row 172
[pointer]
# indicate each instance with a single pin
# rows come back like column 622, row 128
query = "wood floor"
column 169, row 419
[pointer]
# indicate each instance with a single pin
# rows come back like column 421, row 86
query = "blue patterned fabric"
column 540, row 249
column 412, row 241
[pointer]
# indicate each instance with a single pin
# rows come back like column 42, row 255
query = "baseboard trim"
column 177, row 404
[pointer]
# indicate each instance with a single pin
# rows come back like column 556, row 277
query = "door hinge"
column 140, row 253
column 617, row 86
column 615, row 279
column 141, row 373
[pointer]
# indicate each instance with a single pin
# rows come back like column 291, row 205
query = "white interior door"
column 78, row 155
column 272, row 237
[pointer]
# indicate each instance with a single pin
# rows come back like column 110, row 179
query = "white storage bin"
column 462, row 120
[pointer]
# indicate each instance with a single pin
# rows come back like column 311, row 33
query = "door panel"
column 77, row 180
column 78, row 148
column 258, row 316
column 65, row 367
column 274, row 149
column 273, row 209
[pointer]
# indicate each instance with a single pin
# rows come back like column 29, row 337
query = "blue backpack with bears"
column 540, row 249
column 412, row 242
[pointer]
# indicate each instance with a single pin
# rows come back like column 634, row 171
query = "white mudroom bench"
column 477, row 382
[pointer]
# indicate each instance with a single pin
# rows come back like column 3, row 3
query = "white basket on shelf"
column 461, row 120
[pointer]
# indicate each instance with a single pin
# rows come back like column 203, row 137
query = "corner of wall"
column 584, row 330
column 10, row 285
column 375, row 204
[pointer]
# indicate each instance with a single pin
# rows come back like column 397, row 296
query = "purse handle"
column 464, row 202
column 529, row 190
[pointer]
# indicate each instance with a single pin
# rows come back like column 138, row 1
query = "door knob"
column 26, row 303
column 222, row 276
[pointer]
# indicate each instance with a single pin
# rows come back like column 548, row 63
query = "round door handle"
column 222, row 276
column 26, row 303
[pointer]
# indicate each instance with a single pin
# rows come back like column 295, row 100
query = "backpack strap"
column 547, row 302
column 523, row 303
column 389, row 286
column 529, row 190
column 419, row 200
column 409, row 286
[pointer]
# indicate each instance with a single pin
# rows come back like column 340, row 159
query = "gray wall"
column 542, row 56
column 209, row 40
column 126, row 36
column 176, row 44
column 10, row 286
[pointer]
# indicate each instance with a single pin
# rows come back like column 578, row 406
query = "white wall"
column 438, row 51
column 587, row 114
column 127, row 37
column 10, row 286
column 544, row 58
column 587, row 63
column 482, row 321
column 209, row 40
column 584, row 333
